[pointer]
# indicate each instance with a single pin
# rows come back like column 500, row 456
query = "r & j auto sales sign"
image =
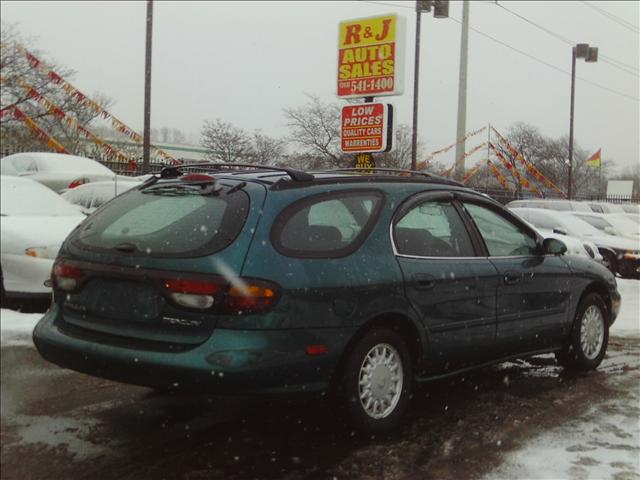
column 370, row 56
column 367, row 127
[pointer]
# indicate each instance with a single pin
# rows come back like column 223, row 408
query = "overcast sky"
column 244, row 61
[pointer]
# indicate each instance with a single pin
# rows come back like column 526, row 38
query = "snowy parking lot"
column 521, row 419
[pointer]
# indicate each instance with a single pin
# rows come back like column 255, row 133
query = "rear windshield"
column 171, row 220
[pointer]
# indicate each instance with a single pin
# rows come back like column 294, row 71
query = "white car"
column 34, row 221
column 57, row 171
column 559, row 205
column 621, row 254
column 92, row 195
column 616, row 224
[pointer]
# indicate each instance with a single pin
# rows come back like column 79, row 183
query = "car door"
column 452, row 288
column 533, row 289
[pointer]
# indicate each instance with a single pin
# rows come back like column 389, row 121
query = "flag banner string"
column 533, row 171
column 84, row 100
column 515, row 173
column 71, row 122
column 423, row 164
column 40, row 134
column 496, row 173
column 473, row 170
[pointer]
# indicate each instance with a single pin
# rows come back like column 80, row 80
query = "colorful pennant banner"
column 473, row 170
column 424, row 163
column 81, row 98
column 71, row 122
column 43, row 136
column 515, row 173
column 533, row 171
column 496, row 173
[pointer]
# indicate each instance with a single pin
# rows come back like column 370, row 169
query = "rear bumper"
column 231, row 361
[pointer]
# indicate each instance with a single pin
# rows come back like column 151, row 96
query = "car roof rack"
column 384, row 170
column 175, row 171
column 400, row 172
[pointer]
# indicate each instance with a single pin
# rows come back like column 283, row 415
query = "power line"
column 606, row 59
column 536, row 59
column 620, row 21
column 521, row 52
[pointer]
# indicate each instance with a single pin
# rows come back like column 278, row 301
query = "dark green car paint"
column 458, row 312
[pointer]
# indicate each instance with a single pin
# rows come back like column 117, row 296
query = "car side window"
column 502, row 237
column 432, row 229
column 326, row 226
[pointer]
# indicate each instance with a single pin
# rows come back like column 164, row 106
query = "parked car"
column 92, row 195
column 621, row 255
column 34, row 222
column 551, row 204
column 616, row 224
column 277, row 281
column 631, row 209
column 604, row 207
column 58, row 171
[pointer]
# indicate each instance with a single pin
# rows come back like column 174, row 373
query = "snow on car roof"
column 22, row 196
column 48, row 161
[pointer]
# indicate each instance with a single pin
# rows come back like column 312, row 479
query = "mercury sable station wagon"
column 246, row 279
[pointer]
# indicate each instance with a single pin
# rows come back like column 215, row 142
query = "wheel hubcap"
column 380, row 381
column 592, row 332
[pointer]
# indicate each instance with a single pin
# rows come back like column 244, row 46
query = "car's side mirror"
column 560, row 231
column 553, row 246
column 610, row 230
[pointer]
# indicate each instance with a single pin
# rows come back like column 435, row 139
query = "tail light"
column 252, row 296
column 77, row 182
column 65, row 277
column 192, row 293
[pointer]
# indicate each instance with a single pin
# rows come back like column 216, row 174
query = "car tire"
column 609, row 261
column 377, row 381
column 589, row 337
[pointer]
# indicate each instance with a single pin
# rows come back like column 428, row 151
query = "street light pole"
column 416, row 82
column 440, row 10
column 590, row 54
column 146, row 141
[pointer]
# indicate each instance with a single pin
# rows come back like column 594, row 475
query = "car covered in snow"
column 92, row 195
column 620, row 254
column 58, row 171
column 34, row 222
column 267, row 280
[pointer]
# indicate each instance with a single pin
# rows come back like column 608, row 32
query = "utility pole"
column 590, row 55
column 146, row 142
column 462, row 92
column 416, row 82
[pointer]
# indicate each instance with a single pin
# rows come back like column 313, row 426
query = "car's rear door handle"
column 511, row 278
column 424, row 281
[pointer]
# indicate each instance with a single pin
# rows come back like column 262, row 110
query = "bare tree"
column 316, row 128
column 266, row 150
column 400, row 155
column 225, row 142
column 18, row 76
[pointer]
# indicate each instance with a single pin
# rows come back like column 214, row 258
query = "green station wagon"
column 263, row 280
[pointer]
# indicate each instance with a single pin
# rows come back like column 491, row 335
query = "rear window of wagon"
column 170, row 220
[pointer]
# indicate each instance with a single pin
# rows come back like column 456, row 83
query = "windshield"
column 577, row 227
column 26, row 197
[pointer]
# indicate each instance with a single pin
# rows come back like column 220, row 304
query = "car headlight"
column 41, row 252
